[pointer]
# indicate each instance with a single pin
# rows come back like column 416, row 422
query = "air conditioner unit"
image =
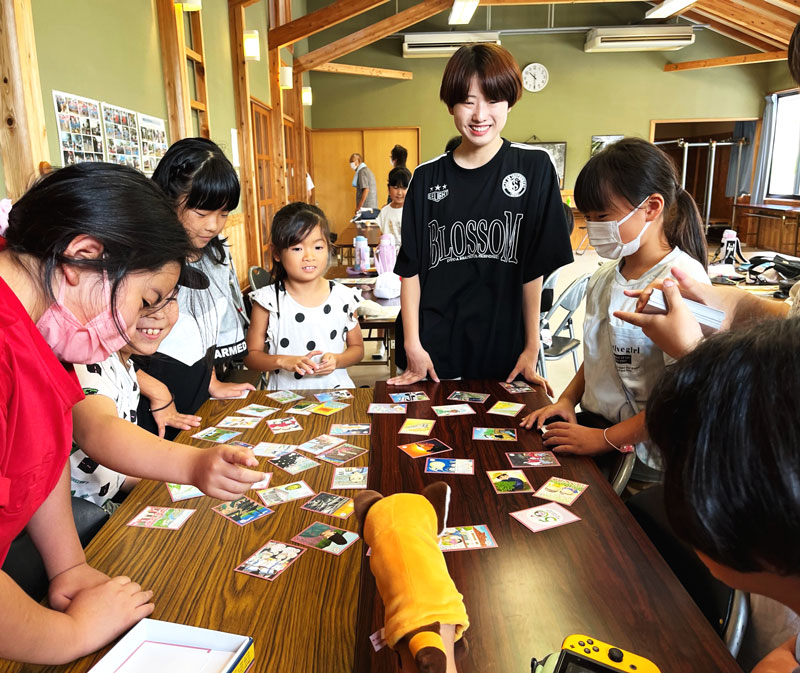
column 427, row 45
column 639, row 38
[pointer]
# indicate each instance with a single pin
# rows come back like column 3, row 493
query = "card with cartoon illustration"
column 277, row 495
column 453, row 410
column 424, row 447
column 272, row 450
column 270, row 561
column 281, row 425
column 417, row 396
column 337, row 506
column 345, row 478
column 376, row 408
column 509, row 481
column 245, row 422
column 506, row 408
column 516, row 387
column 532, row 459
column 284, row 396
column 495, row 434
column 166, row 518
column 242, row 511
column 258, row 410
column 466, row 396
column 320, row 444
column 466, row 538
column 218, row 435
column 449, row 466
column 244, row 445
column 293, row 463
column 564, row 491
column 336, row 395
column 178, row 492
column 347, row 429
column 303, row 407
column 339, row 455
column 542, row 517
column 328, row 408
column 326, row 538
column 416, row 426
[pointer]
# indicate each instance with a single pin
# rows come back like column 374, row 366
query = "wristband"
column 625, row 448
column 152, row 411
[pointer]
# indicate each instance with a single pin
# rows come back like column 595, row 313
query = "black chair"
column 726, row 609
column 259, row 277
column 24, row 563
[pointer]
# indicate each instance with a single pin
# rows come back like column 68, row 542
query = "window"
column 784, row 170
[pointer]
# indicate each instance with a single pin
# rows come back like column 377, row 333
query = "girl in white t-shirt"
column 303, row 329
column 637, row 214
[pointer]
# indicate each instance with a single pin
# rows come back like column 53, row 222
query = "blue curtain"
column 761, row 181
column 746, row 130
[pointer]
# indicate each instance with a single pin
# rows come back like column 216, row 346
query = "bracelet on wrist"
column 168, row 404
column 625, row 448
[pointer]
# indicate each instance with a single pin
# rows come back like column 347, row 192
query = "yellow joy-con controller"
column 593, row 656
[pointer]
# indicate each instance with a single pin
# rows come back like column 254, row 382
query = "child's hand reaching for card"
column 562, row 409
column 300, row 364
column 220, row 474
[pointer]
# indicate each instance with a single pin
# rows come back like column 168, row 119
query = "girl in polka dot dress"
column 303, row 329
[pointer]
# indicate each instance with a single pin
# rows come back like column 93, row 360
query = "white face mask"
column 353, row 165
column 606, row 240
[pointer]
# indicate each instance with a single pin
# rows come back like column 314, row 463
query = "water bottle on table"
column 361, row 253
column 386, row 254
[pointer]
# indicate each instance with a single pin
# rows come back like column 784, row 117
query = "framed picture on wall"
column 121, row 127
column 558, row 155
column 601, row 142
column 153, row 137
column 79, row 132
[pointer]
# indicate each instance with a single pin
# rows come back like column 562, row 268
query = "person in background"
column 398, row 156
column 79, row 255
column 391, row 216
column 366, row 189
column 725, row 420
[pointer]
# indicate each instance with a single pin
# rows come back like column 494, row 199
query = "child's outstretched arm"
column 161, row 399
column 419, row 362
column 577, row 439
column 106, row 438
column 526, row 363
column 563, row 408
column 258, row 358
column 350, row 356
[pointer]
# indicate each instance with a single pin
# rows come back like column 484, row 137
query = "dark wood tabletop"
column 600, row 576
column 345, row 237
column 303, row 620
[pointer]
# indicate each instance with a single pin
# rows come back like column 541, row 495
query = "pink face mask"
column 74, row 342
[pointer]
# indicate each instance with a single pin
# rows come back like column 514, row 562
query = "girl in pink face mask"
column 638, row 216
column 78, row 256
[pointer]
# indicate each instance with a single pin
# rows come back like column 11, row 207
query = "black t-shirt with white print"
column 474, row 237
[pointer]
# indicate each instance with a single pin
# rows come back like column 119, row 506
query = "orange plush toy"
column 424, row 612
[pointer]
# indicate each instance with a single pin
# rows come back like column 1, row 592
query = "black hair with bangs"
column 634, row 169
column 196, row 175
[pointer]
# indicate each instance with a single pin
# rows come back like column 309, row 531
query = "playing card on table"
column 346, row 429
column 417, row 396
column 495, row 434
column 218, row 435
column 345, row 478
column 245, row 422
column 532, row 459
column 377, row 408
column 271, row 560
column 284, row 396
column 178, row 492
column 424, row 447
column 453, row 410
column 320, row 444
column 561, row 490
column 517, row 387
column 304, row 407
column 326, row 538
column 542, row 517
column 416, row 426
column 277, row 495
column 465, row 538
column 509, row 481
column 242, row 511
column 328, row 408
column 339, row 455
column 449, row 466
column 293, row 463
column 167, row 518
column 281, row 425
column 272, row 450
column 506, row 408
column 465, row 396
column 338, row 506
column 334, row 395
column 258, row 410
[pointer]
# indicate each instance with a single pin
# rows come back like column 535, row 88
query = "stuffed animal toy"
column 424, row 614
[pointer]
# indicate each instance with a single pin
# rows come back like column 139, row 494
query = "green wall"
column 588, row 94
column 256, row 19
column 219, row 72
column 778, row 78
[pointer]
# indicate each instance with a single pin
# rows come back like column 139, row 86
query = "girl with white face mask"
column 637, row 215
column 79, row 256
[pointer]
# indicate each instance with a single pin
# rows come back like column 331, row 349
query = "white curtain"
column 761, row 181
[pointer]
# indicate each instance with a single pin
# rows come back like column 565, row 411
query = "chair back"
column 259, row 277
column 569, row 300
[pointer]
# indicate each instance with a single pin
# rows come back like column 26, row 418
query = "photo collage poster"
column 93, row 131
column 79, row 130
column 122, row 136
column 153, row 134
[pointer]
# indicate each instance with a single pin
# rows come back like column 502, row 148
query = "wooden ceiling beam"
column 777, row 14
column 743, row 59
column 377, row 31
column 485, row 3
column 346, row 69
column 747, row 20
column 791, row 6
column 732, row 31
column 323, row 18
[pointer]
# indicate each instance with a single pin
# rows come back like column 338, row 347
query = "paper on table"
column 151, row 656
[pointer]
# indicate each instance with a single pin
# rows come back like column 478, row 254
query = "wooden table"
column 303, row 621
column 344, row 240
column 385, row 326
column 786, row 215
column 600, row 576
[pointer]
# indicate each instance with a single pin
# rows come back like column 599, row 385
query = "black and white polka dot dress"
column 296, row 330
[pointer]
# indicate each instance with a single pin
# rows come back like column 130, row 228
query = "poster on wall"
column 121, row 128
column 79, row 131
column 558, row 155
column 153, row 140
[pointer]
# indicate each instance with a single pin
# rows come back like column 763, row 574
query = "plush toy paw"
column 431, row 660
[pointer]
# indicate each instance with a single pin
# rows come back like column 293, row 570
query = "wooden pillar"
column 23, row 136
column 173, row 63
column 244, row 126
column 278, row 149
column 300, row 127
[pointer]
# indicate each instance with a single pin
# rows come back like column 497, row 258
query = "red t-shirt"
column 36, row 398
